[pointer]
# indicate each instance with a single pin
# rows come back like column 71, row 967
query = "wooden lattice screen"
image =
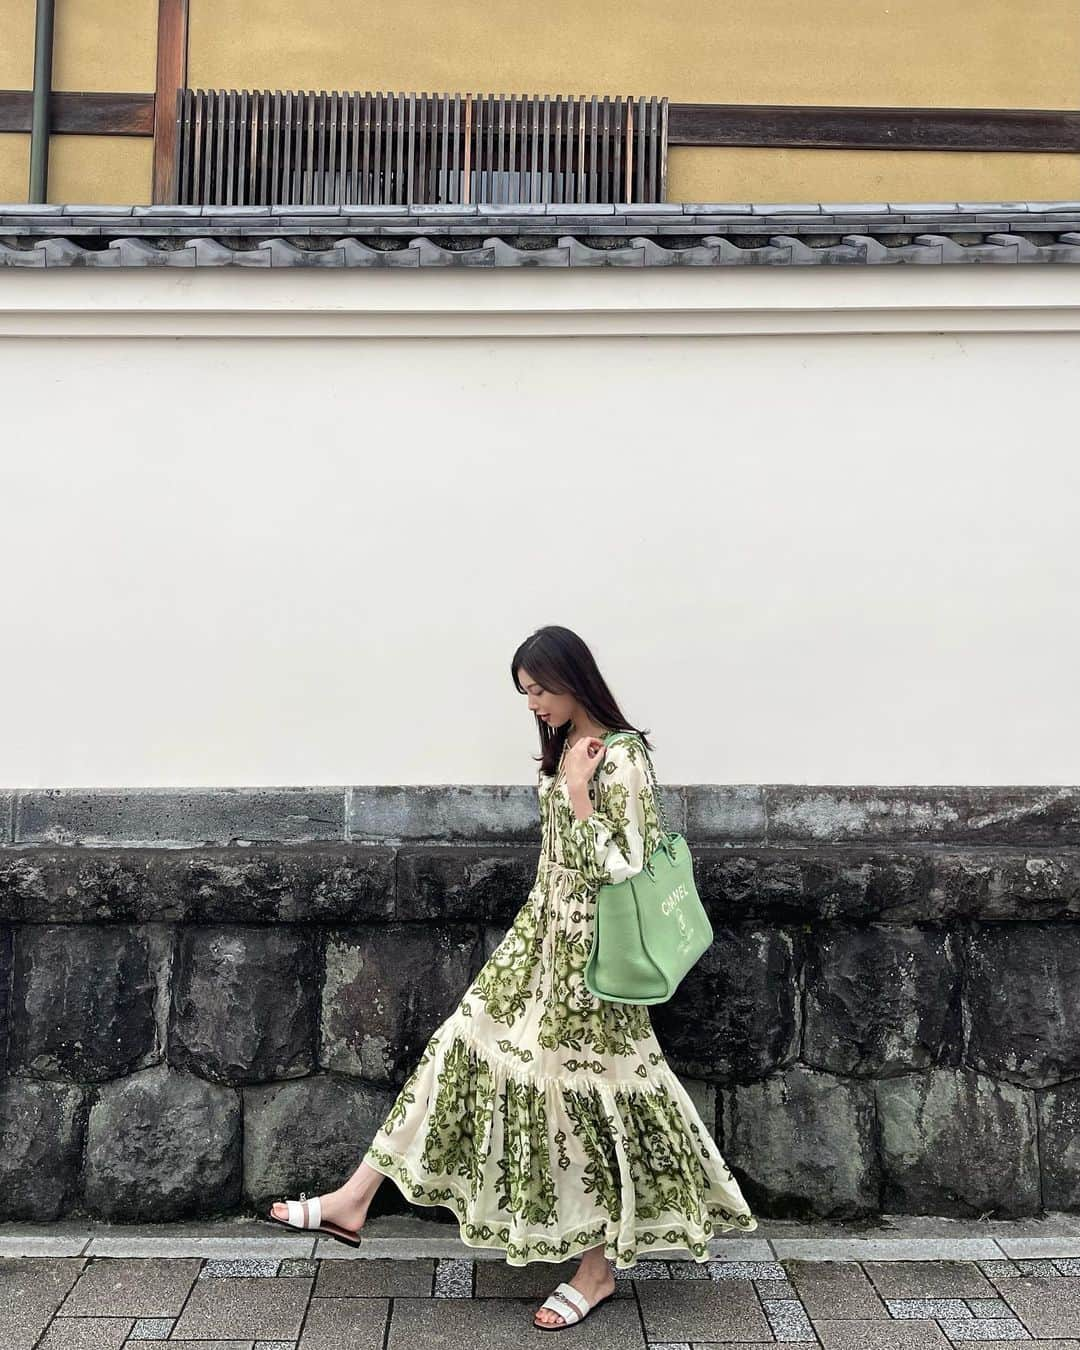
column 260, row 148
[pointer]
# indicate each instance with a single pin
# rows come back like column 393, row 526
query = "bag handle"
column 657, row 795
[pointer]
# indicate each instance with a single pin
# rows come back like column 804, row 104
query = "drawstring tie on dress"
column 563, row 886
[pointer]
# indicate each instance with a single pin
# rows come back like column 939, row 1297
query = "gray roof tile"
column 642, row 234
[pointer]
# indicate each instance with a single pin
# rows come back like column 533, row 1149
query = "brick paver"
column 254, row 1302
column 131, row 1287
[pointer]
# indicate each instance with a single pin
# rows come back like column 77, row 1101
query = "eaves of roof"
column 642, row 235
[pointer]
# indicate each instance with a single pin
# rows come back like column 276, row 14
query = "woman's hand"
column 581, row 761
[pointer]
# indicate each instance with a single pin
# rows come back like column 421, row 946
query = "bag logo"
column 671, row 903
column 673, row 897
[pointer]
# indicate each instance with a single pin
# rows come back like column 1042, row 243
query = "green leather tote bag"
column 651, row 928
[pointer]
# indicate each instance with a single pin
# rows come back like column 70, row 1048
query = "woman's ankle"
column 596, row 1269
column 363, row 1184
column 361, row 1190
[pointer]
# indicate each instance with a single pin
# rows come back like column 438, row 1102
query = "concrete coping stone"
column 1054, row 1237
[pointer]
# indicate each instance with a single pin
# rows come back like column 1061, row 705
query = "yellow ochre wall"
column 905, row 53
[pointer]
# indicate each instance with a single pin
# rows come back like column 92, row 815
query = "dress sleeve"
column 610, row 845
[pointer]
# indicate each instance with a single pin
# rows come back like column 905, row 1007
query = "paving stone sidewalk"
column 909, row 1284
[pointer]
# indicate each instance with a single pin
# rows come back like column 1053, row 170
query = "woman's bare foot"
column 347, row 1206
column 594, row 1279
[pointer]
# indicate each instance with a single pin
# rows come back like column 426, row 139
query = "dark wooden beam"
column 844, row 128
column 171, row 78
column 985, row 129
column 81, row 114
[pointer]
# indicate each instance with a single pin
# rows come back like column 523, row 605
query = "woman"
column 548, row 1120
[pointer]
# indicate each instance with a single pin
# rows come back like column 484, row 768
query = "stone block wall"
column 209, row 999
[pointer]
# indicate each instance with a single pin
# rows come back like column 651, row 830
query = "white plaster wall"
column 278, row 557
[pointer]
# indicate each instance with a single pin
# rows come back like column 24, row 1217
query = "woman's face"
column 552, row 709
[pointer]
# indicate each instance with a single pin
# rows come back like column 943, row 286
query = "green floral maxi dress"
column 548, row 1120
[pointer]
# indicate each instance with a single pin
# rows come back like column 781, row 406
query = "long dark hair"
column 560, row 660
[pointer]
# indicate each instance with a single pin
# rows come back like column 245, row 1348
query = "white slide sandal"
column 571, row 1304
column 307, row 1214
